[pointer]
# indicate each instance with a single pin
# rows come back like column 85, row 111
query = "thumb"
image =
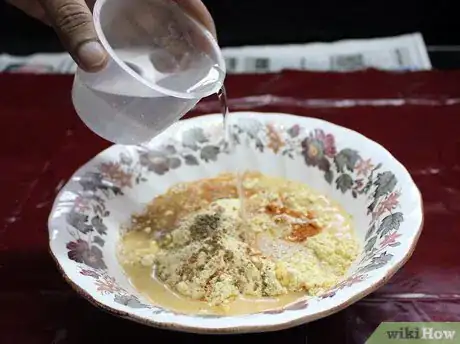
column 73, row 22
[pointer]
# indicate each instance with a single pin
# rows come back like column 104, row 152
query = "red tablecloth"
column 416, row 116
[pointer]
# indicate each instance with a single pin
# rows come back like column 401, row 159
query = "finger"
column 31, row 8
column 197, row 10
column 194, row 42
column 73, row 23
column 165, row 26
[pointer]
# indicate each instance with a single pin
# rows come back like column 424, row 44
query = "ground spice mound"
column 205, row 259
column 194, row 241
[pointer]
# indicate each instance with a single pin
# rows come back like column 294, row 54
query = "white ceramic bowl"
column 84, row 225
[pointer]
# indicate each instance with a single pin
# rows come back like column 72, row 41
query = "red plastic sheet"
column 416, row 116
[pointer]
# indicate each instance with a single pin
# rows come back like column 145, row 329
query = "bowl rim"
column 249, row 328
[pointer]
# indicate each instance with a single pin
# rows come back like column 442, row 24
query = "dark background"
column 254, row 22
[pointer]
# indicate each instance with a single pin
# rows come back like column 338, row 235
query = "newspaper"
column 60, row 63
column 401, row 53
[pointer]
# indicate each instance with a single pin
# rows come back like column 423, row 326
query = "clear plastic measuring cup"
column 162, row 62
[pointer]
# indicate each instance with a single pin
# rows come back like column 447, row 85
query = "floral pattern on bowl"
column 91, row 209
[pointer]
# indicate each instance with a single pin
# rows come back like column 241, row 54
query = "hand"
column 73, row 22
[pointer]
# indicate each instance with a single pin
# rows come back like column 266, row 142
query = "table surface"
column 416, row 116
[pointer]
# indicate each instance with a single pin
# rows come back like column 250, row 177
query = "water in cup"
column 162, row 62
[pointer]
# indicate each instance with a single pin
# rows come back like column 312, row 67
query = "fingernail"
column 91, row 56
